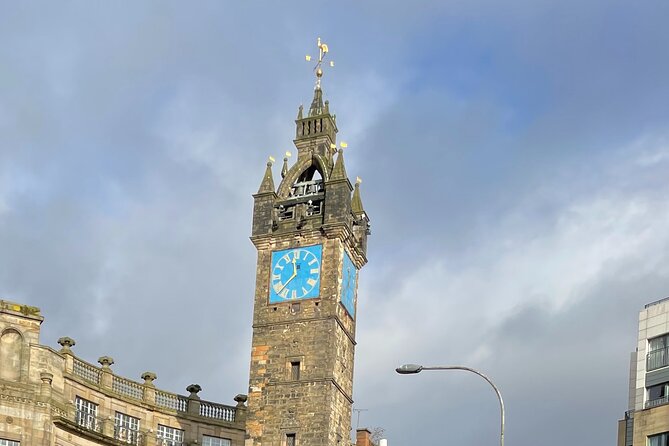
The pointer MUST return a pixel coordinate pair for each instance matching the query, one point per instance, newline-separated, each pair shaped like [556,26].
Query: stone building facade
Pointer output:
[54,398]
[646,422]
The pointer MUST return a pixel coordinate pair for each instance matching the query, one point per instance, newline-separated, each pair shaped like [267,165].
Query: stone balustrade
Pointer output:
[103,378]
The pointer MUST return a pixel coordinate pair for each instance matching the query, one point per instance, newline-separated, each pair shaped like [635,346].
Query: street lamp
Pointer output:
[410,369]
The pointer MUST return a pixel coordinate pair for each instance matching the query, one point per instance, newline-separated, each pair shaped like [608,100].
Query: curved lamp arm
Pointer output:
[408,369]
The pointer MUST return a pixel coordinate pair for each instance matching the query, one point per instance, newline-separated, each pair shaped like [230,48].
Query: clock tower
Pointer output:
[311,236]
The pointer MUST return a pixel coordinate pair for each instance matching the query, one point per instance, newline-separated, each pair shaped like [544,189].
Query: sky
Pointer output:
[514,158]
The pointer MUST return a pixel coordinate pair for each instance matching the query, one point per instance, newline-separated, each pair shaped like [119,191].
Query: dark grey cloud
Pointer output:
[514,159]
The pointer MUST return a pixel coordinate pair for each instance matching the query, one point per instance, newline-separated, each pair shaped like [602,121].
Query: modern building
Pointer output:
[646,421]
[310,233]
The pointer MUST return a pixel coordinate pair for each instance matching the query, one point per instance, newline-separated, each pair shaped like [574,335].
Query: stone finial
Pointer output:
[267,184]
[300,112]
[148,378]
[194,389]
[106,361]
[46,377]
[339,171]
[356,201]
[241,399]
[67,344]
[284,169]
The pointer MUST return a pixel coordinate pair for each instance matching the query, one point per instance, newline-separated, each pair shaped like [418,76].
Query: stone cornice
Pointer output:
[336,318]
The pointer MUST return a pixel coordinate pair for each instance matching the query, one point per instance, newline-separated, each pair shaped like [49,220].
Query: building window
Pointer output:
[659,440]
[658,352]
[170,436]
[4,442]
[657,395]
[295,370]
[126,428]
[215,441]
[291,440]
[86,414]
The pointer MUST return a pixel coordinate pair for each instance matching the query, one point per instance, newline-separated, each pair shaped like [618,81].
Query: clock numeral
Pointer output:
[293,295]
[277,287]
[285,258]
[276,277]
[296,255]
[314,260]
[311,282]
[283,293]
[314,271]
[304,291]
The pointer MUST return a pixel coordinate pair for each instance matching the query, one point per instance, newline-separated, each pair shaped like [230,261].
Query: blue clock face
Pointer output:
[296,274]
[349,275]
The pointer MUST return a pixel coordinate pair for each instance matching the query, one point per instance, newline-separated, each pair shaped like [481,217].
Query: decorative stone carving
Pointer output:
[67,343]
[106,361]
[194,389]
[241,399]
[46,377]
[148,378]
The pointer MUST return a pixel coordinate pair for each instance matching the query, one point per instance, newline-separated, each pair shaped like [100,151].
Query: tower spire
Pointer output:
[267,184]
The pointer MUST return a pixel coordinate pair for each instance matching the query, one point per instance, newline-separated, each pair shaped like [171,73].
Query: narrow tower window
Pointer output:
[295,370]
[291,440]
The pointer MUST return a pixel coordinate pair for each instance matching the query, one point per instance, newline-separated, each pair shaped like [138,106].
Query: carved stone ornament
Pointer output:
[194,389]
[148,378]
[106,361]
[67,343]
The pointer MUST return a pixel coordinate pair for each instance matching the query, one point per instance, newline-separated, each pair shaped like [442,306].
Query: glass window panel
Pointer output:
[658,343]
[169,436]
[215,441]
[86,414]
[659,440]
[126,428]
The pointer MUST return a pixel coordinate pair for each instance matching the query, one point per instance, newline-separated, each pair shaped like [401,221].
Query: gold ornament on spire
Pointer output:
[318,69]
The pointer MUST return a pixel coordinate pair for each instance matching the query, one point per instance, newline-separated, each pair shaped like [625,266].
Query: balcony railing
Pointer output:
[217,411]
[127,387]
[86,371]
[160,398]
[657,402]
[657,359]
[171,401]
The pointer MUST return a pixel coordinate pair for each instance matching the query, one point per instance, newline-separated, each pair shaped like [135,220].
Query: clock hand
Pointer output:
[289,279]
[292,276]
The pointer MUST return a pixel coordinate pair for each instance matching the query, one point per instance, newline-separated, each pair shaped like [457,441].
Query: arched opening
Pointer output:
[310,182]
[11,348]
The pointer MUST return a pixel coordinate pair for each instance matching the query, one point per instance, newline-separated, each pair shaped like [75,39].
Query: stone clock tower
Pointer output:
[311,236]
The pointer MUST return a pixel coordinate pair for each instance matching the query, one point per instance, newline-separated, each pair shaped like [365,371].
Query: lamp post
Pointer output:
[410,369]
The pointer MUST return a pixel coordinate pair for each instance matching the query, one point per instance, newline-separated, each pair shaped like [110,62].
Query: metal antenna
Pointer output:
[357,423]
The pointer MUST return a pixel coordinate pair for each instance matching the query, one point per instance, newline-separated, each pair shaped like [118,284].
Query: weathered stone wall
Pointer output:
[37,404]
[319,333]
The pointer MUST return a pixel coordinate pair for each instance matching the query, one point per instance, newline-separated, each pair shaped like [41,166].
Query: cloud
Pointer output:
[514,158]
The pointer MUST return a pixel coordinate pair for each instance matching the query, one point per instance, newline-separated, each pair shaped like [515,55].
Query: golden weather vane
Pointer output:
[322,51]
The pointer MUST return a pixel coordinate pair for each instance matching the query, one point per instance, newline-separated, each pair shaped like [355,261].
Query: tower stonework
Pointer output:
[311,236]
